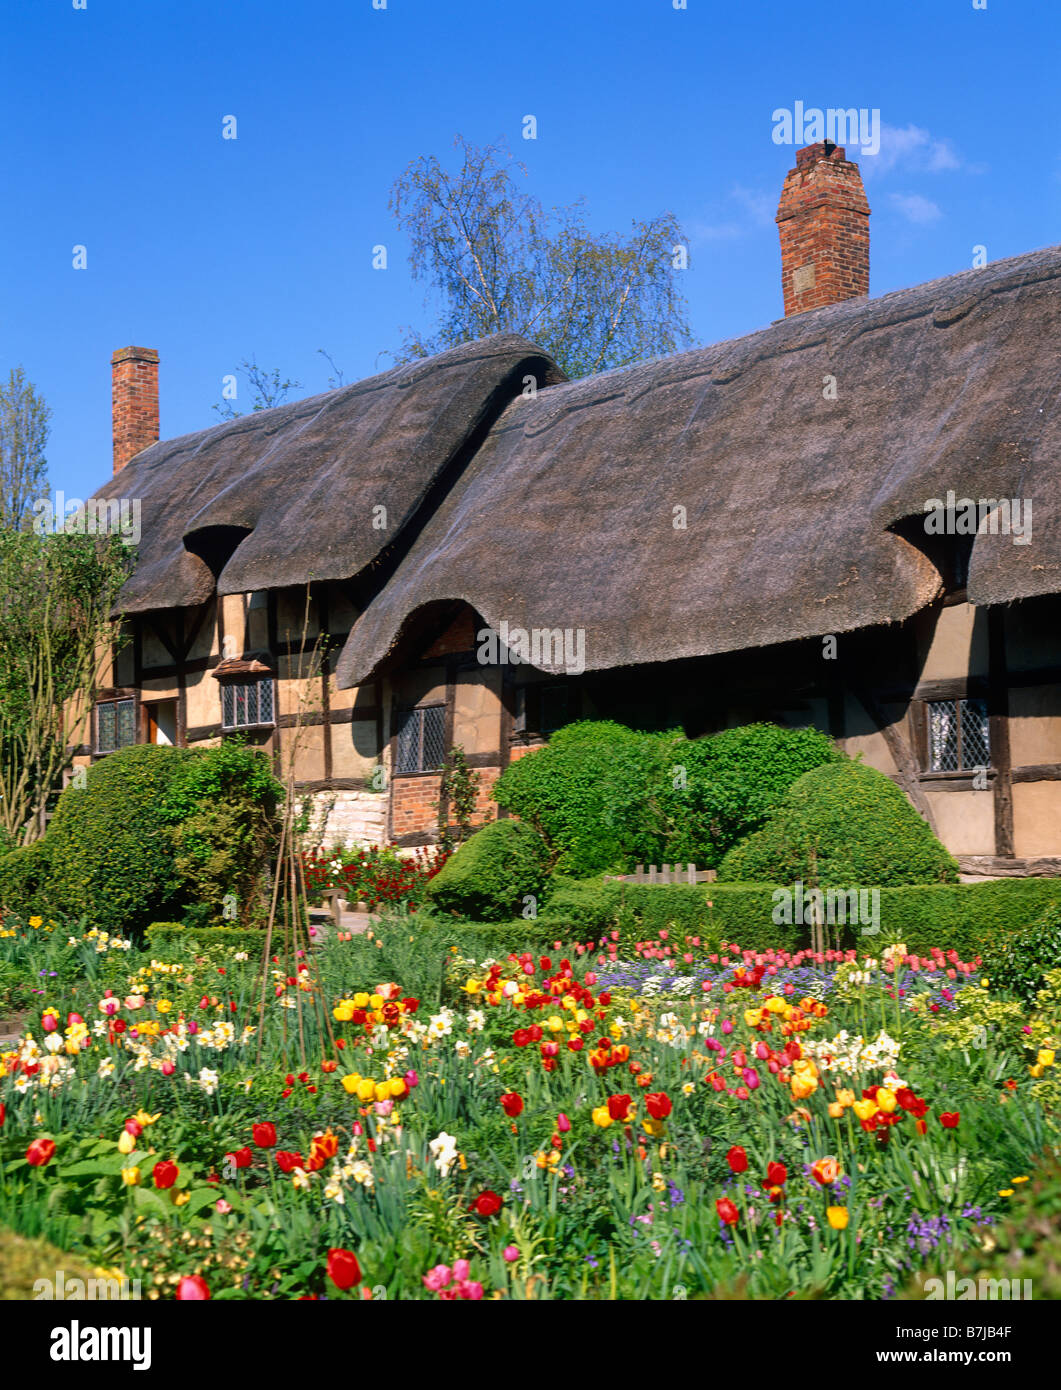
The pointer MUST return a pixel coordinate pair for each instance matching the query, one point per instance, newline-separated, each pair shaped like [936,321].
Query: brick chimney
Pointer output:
[134,402]
[823,219]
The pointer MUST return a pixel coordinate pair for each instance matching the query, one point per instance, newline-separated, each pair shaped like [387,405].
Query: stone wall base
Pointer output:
[348,818]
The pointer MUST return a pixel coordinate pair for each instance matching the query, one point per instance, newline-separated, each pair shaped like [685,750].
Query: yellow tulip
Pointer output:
[126,1144]
[366,1089]
[838,1218]
[397,1087]
[1046,1057]
[601,1117]
[376,1001]
[1037,1069]
[836,1110]
[343,1013]
[350,1083]
[555,1023]
[752,1017]
[382,1091]
[361,1001]
[131,1177]
[845,1097]
[803,1086]
[179,1198]
[864,1109]
[886,1100]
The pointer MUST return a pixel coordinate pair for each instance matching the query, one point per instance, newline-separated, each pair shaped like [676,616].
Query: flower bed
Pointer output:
[398,1120]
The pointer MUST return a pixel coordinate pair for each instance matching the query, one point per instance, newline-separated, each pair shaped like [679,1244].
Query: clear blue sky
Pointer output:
[213,250]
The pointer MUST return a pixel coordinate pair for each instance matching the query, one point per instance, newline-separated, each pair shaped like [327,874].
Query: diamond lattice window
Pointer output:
[958,735]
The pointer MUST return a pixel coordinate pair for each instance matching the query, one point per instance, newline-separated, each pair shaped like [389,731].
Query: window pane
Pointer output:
[228,706]
[126,717]
[265,701]
[976,739]
[943,735]
[408,753]
[105,728]
[434,745]
[241,705]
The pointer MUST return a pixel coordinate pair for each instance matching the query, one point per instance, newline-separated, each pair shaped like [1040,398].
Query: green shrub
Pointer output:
[958,917]
[840,825]
[223,818]
[733,781]
[156,827]
[162,935]
[488,877]
[1018,961]
[110,855]
[23,879]
[595,794]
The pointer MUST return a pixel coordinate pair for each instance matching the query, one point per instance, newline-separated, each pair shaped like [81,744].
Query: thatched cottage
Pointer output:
[850,518]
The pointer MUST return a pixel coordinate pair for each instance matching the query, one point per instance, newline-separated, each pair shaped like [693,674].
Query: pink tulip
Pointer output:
[591,977]
[472,1289]
[563,1124]
[48,1023]
[727,1026]
[168,1068]
[510,1254]
[461,1270]
[437,1278]
[411,1079]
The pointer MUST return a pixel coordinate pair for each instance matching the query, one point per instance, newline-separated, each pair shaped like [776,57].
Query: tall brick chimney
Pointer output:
[823,219]
[134,402]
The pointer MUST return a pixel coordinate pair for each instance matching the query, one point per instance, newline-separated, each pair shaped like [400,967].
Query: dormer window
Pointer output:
[248,698]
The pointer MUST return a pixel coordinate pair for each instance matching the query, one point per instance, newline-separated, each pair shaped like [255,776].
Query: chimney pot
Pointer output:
[823,221]
[134,402]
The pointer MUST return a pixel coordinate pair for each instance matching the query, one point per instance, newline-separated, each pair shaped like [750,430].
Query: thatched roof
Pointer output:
[564,518]
[285,496]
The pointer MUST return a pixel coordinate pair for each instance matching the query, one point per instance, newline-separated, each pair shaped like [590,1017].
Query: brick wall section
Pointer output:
[415,805]
[134,402]
[458,637]
[823,221]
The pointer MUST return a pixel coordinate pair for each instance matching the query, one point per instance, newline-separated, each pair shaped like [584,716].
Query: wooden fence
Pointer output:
[666,873]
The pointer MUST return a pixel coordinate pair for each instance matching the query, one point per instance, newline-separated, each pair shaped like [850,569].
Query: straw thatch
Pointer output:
[565,517]
[287,495]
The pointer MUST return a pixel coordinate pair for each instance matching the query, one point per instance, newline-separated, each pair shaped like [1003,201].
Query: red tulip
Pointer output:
[287,1161]
[165,1173]
[264,1135]
[737,1159]
[618,1107]
[3,1114]
[343,1269]
[40,1152]
[242,1158]
[658,1105]
[193,1286]
[512,1104]
[949,1120]
[487,1203]
[776,1174]
[563,1124]
[727,1211]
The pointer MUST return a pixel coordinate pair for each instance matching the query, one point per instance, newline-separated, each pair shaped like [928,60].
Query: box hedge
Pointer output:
[161,935]
[491,874]
[842,824]
[963,917]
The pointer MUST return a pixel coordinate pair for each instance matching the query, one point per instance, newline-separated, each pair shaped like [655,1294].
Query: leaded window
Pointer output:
[247,704]
[115,725]
[958,735]
[421,739]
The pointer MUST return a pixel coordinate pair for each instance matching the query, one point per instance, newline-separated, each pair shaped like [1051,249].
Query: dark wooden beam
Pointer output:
[1037,772]
[902,754]
[998,728]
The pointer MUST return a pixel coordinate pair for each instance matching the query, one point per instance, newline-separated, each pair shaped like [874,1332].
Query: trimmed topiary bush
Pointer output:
[23,879]
[156,828]
[490,874]
[840,825]
[595,794]
[733,781]
[110,856]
